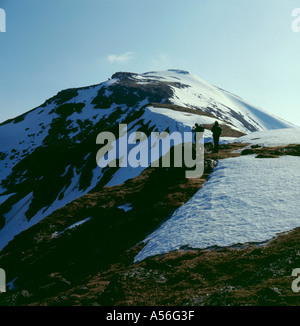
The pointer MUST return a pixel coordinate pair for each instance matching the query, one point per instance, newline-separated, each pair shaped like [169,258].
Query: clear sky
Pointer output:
[247,47]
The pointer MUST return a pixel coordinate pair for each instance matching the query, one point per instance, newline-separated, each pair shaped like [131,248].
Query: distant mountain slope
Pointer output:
[48,155]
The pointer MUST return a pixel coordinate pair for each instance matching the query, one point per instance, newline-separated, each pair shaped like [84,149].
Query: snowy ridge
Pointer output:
[198,94]
[47,155]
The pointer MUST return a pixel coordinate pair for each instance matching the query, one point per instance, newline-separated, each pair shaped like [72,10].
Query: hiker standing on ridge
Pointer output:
[216,130]
[196,129]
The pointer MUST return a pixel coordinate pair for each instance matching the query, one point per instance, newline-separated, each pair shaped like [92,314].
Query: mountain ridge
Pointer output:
[48,154]
[54,264]
[71,232]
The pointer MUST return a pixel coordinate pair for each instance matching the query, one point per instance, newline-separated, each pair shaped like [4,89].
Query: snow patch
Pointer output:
[75,225]
[126,207]
[16,220]
[246,200]
[11,284]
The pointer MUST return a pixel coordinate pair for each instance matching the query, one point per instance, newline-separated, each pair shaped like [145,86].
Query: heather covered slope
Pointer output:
[83,253]
[105,232]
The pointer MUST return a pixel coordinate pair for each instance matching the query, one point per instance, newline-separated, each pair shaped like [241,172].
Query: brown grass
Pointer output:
[249,274]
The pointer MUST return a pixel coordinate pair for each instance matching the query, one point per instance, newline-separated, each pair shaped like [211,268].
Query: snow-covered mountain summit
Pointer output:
[190,91]
[48,155]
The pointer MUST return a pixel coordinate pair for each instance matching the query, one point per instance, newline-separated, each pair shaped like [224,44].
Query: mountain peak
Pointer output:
[48,154]
[179,71]
[123,75]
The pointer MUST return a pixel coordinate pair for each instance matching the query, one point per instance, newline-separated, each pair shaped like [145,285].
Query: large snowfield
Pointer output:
[246,199]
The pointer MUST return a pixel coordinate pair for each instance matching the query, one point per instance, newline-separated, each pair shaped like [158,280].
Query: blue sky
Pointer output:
[246,47]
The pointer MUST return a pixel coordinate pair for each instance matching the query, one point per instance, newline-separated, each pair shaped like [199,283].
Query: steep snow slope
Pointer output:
[198,94]
[48,155]
[246,200]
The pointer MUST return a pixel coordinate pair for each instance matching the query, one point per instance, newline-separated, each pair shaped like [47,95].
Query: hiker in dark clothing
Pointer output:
[216,130]
[196,129]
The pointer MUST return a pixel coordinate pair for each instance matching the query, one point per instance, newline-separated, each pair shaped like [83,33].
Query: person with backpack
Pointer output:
[217,131]
[196,129]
